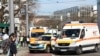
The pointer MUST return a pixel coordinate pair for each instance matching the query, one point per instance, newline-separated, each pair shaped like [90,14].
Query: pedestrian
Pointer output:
[24,40]
[21,40]
[1,50]
[5,36]
[28,40]
[5,43]
[13,49]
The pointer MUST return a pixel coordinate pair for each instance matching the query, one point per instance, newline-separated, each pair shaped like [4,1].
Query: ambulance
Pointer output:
[78,37]
[34,33]
[43,43]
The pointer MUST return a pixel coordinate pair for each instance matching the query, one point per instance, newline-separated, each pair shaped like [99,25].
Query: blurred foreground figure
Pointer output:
[13,49]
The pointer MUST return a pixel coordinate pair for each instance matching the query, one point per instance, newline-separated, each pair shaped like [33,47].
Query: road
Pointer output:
[23,51]
[87,53]
[39,54]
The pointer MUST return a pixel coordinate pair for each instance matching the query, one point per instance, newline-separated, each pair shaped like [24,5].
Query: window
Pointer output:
[36,34]
[46,38]
[71,32]
[82,33]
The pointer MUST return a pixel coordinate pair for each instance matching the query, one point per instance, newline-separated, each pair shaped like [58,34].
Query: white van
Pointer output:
[78,37]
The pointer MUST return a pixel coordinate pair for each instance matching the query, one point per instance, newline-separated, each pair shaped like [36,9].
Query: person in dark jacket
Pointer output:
[13,49]
[24,40]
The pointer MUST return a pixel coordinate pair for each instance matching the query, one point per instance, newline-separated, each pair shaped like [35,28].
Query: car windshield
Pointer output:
[46,38]
[71,32]
[36,34]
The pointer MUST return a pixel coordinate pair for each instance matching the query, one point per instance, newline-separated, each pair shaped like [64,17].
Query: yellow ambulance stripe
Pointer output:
[92,38]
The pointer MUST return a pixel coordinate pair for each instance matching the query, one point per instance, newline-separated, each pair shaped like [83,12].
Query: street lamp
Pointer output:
[79,15]
[61,19]
[26,13]
[68,15]
[27,19]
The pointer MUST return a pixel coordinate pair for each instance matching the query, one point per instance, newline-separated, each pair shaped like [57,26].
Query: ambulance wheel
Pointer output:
[96,49]
[79,51]
[48,49]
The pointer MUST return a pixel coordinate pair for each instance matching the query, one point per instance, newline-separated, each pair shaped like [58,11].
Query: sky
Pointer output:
[47,7]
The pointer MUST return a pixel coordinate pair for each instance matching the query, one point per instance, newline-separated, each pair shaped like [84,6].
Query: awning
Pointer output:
[4,25]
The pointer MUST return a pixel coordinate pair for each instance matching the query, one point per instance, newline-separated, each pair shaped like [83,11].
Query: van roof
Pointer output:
[37,30]
[82,24]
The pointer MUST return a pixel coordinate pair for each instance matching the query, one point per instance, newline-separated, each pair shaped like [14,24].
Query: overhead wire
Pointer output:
[58,2]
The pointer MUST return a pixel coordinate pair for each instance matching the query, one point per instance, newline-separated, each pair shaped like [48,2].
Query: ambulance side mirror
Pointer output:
[82,34]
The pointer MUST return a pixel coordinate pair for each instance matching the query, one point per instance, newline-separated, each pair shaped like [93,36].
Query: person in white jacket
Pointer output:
[5,36]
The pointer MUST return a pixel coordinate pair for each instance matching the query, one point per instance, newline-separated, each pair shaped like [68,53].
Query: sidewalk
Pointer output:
[22,51]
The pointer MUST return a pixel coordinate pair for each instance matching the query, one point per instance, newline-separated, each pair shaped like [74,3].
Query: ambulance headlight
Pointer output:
[73,43]
[41,45]
[56,44]
[29,45]
[53,42]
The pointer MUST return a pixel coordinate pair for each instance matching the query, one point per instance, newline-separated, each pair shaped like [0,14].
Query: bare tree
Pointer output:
[2,10]
[32,5]
[48,23]
[20,4]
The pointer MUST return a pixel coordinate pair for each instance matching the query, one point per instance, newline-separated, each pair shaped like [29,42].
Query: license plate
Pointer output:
[63,50]
[34,47]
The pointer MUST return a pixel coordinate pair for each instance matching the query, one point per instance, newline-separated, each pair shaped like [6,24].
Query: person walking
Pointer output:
[24,40]
[5,43]
[5,36]
[28,40]
[12,47]
[21,40]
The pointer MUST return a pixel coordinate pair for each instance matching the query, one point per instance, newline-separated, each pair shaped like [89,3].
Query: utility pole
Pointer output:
[61,19]
[27,32]
[11,16]
[69,19]
[98,14]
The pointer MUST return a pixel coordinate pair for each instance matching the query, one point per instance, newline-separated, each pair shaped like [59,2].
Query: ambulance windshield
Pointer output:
[71,32]
[36,34]
[46,38]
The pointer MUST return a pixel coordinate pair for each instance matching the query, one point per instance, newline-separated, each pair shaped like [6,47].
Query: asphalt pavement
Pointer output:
[86,53]
[23,51]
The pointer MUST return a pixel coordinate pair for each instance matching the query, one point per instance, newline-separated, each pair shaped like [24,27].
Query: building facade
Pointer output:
[78,13]
[67,14]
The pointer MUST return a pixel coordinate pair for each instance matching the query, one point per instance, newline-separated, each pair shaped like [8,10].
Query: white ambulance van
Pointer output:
[78,37]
